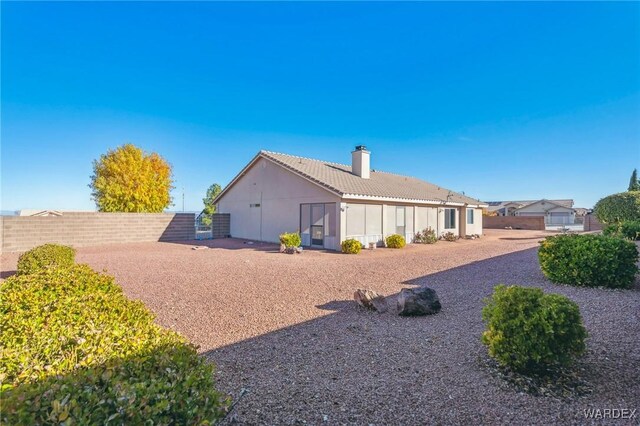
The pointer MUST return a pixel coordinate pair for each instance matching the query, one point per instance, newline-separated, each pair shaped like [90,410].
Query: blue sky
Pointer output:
[499,100]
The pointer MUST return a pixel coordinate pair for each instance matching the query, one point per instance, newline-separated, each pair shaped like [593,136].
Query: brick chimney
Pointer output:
[361,162]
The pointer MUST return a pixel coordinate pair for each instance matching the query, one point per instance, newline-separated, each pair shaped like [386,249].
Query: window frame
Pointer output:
[450,213]
[471,217]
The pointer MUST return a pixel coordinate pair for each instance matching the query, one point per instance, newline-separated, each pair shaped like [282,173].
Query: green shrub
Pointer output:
[589,260]
[351,246]
[45,256]
[528,330]
[426,236]
[75,349]
[395,241]
[629,229]
[290,239]
[618,207]
[449,236]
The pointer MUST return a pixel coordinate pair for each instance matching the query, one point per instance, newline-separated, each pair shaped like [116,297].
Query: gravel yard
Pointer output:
[285,328]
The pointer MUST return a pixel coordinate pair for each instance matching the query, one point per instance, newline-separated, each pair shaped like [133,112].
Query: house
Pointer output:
[328,202]
[555,212]
[39,213]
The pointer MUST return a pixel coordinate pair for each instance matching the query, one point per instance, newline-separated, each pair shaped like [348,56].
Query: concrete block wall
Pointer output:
[516,222]
[21,233]
[220,225]
[591,223]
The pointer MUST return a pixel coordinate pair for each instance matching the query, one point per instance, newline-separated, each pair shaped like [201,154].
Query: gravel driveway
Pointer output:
[284,328]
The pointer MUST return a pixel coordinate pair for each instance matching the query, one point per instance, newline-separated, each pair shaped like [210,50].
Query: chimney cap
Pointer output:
[361,148]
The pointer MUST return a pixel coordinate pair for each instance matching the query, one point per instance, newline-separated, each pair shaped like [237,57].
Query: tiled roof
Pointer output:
[338,178]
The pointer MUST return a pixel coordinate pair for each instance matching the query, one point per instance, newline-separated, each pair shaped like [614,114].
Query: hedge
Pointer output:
[618,207]
[530,331]
[45,256]
[77,350]
[629,229]
[589,260]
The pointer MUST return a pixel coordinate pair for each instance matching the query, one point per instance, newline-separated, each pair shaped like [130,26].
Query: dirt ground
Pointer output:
[285,328]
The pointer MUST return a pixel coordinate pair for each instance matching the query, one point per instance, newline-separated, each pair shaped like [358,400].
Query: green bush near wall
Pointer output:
[76,350]
[530,331]
[290,239]
[351,246]
[44,257]
[589,260]
[395,241]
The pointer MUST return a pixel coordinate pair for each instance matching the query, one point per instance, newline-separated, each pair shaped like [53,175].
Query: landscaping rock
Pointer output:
[418,301]
[371,300]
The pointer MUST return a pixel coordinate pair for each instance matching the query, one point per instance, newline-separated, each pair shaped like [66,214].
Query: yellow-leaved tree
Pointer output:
[127,179]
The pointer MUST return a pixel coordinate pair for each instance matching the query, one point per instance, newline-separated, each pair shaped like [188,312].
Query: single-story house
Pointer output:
[329,202]
[555,212]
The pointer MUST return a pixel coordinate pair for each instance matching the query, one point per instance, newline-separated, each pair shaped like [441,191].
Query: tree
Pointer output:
[209,207]
[127,179]
[634,183]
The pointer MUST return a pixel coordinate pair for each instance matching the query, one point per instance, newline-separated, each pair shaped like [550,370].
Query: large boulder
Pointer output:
[371,300]
[418,301]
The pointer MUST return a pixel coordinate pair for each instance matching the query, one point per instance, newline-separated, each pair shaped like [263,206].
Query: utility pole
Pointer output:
[183,199]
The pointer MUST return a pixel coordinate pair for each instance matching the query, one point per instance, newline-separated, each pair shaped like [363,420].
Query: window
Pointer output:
[449,218]
[400,220]
[469,216]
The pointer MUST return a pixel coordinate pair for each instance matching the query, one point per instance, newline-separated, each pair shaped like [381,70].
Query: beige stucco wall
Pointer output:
[475,227]
[279,193]
[417,218]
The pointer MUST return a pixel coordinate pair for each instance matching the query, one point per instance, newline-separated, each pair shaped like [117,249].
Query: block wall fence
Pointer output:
[21,233]
[535,223]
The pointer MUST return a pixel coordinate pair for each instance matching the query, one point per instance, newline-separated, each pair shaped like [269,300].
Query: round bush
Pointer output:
[395,241]
[290,239]
[530,331]
[629,229]
[45,257]
[589,260]
[351,246]
[618,207]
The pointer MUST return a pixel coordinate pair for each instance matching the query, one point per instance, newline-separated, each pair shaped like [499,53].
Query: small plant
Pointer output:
[530,331]
[426,236]
[589,260]
[449,236]
[45,257]
[351,246]
[629,229]
[290,239]
[395,241]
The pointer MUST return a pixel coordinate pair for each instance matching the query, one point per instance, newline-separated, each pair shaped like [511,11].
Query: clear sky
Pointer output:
[499,100]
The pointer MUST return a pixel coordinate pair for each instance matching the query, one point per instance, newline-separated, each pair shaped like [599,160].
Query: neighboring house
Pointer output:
[328,202]
[555,212]
[39,213]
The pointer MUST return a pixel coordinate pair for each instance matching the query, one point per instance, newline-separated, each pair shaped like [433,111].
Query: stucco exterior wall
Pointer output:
[441,221]
[475,227]
[426,217]
[265,202]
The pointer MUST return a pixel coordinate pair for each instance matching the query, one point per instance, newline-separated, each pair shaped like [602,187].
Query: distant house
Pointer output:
[555,212]
[329,202]
[39,213]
